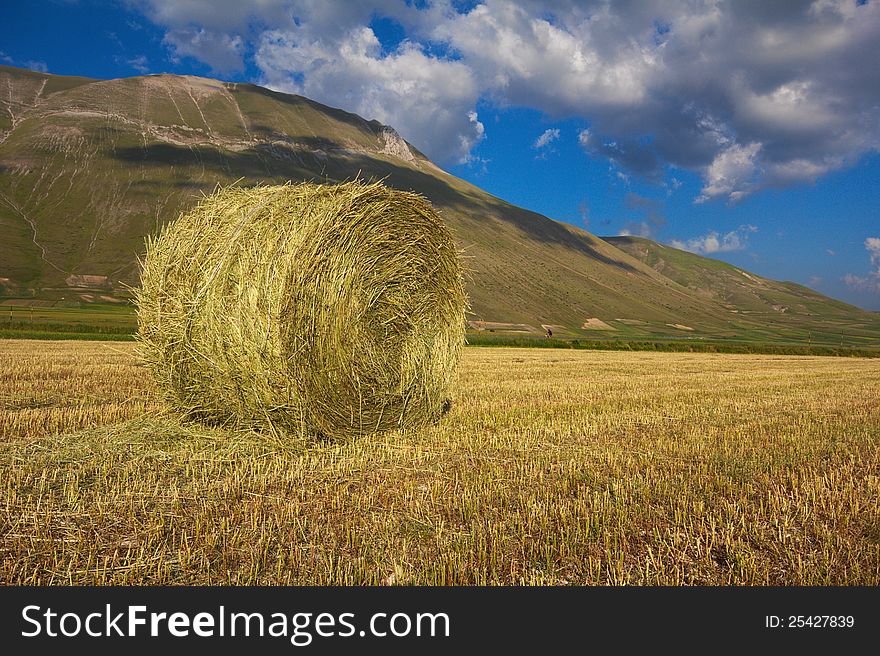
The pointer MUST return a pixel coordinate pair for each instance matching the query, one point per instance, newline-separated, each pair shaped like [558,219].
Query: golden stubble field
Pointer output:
[553,467]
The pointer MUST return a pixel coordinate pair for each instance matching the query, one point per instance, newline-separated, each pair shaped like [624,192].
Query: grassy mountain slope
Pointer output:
[89,167]
[779,306]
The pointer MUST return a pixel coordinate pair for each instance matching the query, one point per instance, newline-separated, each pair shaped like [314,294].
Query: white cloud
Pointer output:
[870,282]
[217,15]
[547,137]
[557,65]
[714,242]
[140,64]
[219,33]
[585,138]
[872,244]
[223,52]
[732,173]
[467,140]
[748,94]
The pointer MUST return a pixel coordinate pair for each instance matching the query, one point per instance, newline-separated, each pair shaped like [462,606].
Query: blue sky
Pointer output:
[748,133]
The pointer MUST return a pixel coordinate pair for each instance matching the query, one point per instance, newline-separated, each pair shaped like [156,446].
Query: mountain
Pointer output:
[89,167]
[779,307]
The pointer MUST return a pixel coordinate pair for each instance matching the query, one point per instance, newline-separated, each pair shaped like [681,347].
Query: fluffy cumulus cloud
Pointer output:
[732,173]
[222,51]
[715,242]
[749,94]
[219,33]
[870,282]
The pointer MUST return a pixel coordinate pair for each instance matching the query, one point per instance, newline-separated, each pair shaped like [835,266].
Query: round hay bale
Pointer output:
[334,310]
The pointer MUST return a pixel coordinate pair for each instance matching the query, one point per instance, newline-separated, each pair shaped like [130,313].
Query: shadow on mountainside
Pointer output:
[276,163]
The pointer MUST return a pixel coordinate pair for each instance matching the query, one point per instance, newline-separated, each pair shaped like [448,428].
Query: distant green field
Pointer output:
[672,345]
[60,320]
[54,320]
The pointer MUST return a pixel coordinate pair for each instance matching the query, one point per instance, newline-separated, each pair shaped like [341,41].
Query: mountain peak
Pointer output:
[395,145]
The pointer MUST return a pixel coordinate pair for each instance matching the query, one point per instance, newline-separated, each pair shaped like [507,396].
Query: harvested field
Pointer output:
[596,324]
[552,467]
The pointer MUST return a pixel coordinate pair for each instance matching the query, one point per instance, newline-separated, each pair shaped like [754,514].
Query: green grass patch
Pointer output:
[22,320]
[671,346]
[6,333]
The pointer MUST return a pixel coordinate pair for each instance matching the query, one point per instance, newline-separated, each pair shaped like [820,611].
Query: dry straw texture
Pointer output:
[334,310]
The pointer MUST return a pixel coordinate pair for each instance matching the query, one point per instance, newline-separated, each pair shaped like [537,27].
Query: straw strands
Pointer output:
[334,310]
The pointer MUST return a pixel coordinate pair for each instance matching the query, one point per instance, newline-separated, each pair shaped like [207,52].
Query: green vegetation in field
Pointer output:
[670,346]
[29,319]
[553,467]
[32,320]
